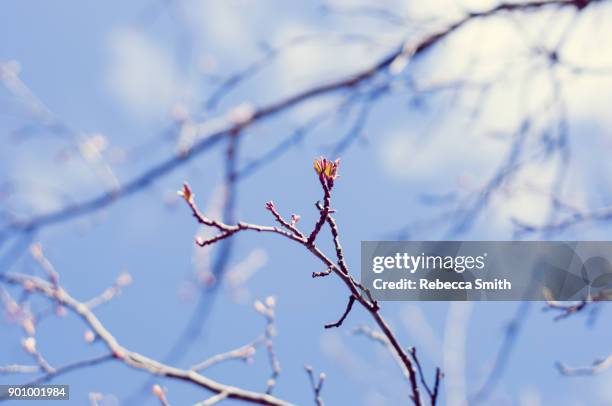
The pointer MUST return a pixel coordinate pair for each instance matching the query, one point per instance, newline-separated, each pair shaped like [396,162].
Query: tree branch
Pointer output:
[349,306]
[205,142]
[316,385]
[327,172]
[130,358]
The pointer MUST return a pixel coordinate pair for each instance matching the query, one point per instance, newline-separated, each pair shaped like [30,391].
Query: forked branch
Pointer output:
[327,172]
[131,358]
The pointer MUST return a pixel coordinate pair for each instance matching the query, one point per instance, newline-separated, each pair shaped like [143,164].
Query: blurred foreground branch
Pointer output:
[244,117]
[122,354]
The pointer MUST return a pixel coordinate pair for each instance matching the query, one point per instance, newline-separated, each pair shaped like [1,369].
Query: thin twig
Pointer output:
[19,369]
[349,306]
[241,353]
[316,385]
[71,367]
[597,367]
[321,274]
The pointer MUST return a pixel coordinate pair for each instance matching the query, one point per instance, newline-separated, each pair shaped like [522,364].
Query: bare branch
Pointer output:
[29,345]
[207,141]
[288,225]
[122,280]
[130,358]
[267,309]
[349,306]
[321,274]
[241,353]
[433,393]
[327,172]
[566,309]
[316,385]
[38,255]
[19,369]
[213,400]
[603,214]
[597,367]
[71,367]
[507,345]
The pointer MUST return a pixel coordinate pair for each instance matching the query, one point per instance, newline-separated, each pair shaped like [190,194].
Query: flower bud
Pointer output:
[327,169]
[89,336]
[124,279]
[186,193]
[270,301]
[159,392]
[259,307]
[60,311]
[294,219]
[29,345]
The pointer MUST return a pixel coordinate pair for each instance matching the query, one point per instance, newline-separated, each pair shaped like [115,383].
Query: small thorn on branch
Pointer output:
[322,273]
[349,306]
[321,208]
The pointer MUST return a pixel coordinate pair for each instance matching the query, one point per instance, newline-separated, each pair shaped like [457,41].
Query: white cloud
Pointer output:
[528,198]
[45,185]
[420,156]
[142,75]
[320,59]
[224,29]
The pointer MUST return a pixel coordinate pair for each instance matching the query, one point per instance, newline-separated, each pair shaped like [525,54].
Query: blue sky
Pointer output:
[117,74]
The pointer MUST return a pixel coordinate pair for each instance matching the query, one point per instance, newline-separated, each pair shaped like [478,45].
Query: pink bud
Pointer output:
[36,250]
[179,113]
[159,392]
[259,307]
[89,336]
[61,311]
[186,193]
[29,345]
[124,279]
[28,285]
[294,219]
[271,301]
